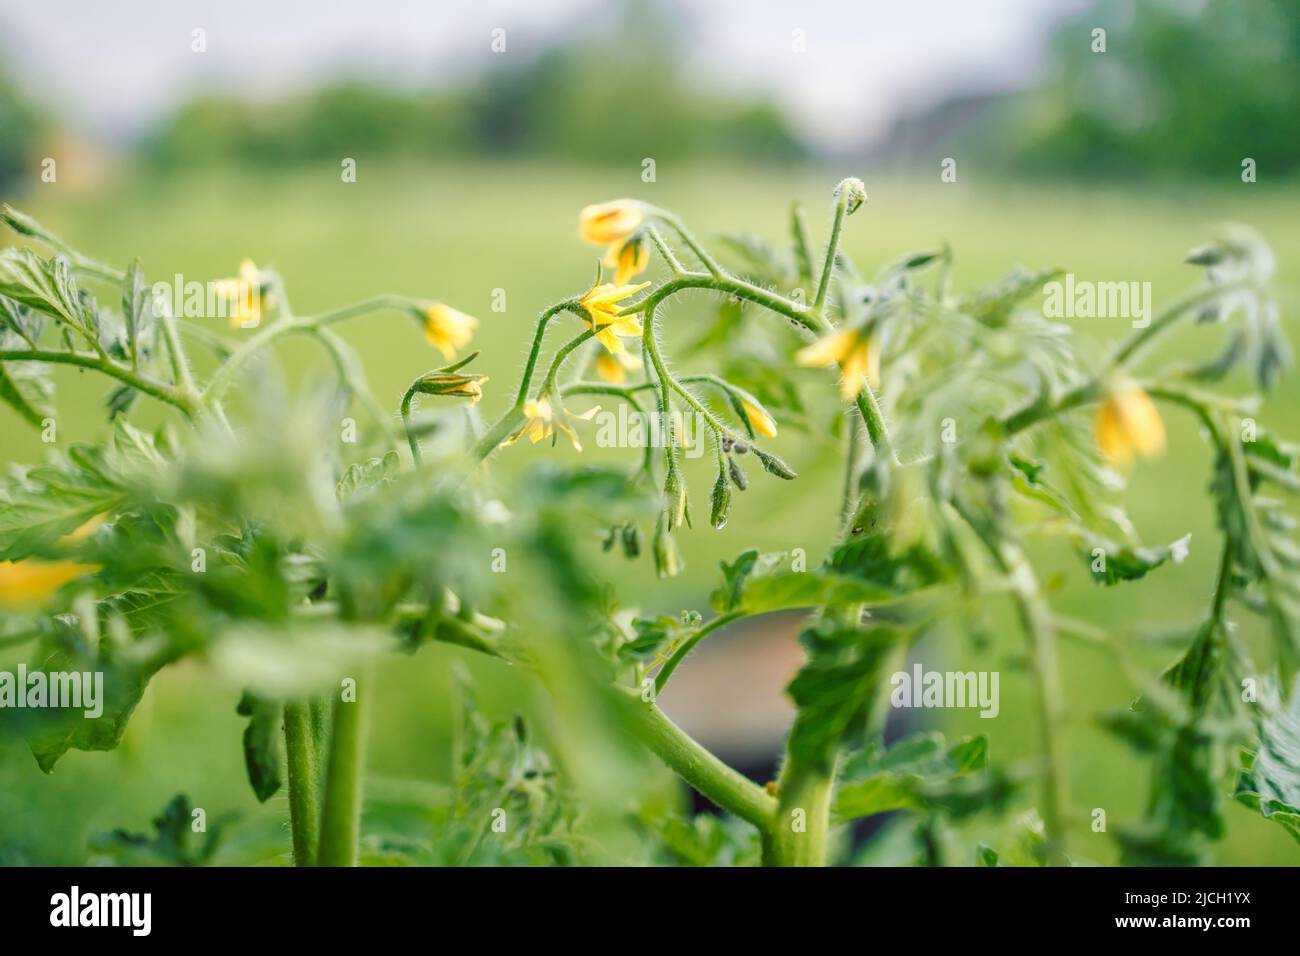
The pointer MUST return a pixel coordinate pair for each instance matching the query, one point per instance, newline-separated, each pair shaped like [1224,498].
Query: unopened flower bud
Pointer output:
[459,384]
[720,502]
[775,466]
[855,192]
[737,474]
[668,560]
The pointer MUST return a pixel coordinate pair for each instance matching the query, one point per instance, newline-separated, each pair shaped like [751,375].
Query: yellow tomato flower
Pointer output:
[243,295]
[542,421]
[610,222]
[759,419]
[627,259]
[602,305]
[27,584]
[854,350]
[1129,424]
[447,329]
[614,366]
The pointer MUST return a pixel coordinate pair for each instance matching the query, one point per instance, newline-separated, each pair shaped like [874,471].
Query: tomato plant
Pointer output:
[245,533]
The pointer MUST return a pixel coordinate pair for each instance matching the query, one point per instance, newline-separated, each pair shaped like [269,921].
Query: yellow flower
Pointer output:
[244,295]
[614,366]
[854,350]
[610,222]
[448,330]
[1129,424]
[759,419]
[542,421]
[627,259]
[602,305]
[26,584]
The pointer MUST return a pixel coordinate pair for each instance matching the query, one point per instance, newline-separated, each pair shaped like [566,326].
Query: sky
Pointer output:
[112,69]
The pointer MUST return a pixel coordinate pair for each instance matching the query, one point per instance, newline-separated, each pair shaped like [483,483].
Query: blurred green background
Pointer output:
[457,223]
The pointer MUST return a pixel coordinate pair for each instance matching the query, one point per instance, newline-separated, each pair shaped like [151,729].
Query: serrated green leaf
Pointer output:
[45,285]
[1269,781]
[27,388]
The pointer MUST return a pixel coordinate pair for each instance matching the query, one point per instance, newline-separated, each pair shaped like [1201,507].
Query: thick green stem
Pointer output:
[730,790]
[341,818]
[303,809]
[802,821]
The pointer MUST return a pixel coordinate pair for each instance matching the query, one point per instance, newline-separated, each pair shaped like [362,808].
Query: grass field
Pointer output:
[457,233]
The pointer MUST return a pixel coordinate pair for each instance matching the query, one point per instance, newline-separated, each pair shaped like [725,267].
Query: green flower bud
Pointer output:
[668,560]
[856,193]
[631,541]
[775,466]
[459,384]
[721,502]
[737,474]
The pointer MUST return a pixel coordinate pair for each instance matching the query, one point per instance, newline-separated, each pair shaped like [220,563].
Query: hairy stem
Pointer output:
[341,817]
[149,386]
[303,809]
[730,790]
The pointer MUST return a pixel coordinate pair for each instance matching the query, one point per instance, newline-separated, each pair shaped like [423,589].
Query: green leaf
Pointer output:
[1123,562]
[44,503]
[136,307]
[126,668]
[993,306]
[911,774]
[757,583]
[837,687]
[263,743]
[172,843]
[368,474]
[27,388]
[42,284]
[1269,781]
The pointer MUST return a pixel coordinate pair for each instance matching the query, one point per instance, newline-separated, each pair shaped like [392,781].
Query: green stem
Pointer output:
[534,351]
[224,376]
[679,655]
[561,355]
[341,817]
[832,248]
[665,252]
[700,252]
[1037,622]
[1123,356]
[411,440]
[802,819]
[303,809]
[730,790]
[149,386]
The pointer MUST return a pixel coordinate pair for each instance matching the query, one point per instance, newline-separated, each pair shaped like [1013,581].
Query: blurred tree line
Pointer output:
[20,128]
[601,96]
[1184,87]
